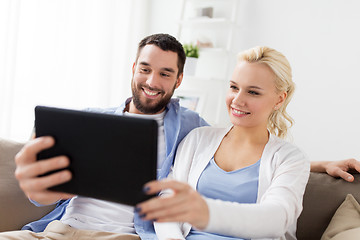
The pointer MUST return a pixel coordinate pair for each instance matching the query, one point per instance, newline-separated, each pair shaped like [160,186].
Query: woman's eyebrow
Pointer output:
[256,87]
[253,87]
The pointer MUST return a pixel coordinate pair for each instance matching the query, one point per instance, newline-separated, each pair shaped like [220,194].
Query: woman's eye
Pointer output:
[253,93]
[233,87]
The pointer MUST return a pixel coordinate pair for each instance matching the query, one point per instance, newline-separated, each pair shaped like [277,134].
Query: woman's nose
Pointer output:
[239,99]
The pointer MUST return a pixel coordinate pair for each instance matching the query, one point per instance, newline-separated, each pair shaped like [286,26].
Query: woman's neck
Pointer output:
[253,136]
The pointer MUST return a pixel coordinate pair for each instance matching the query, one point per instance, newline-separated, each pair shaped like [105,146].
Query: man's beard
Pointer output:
[147,107]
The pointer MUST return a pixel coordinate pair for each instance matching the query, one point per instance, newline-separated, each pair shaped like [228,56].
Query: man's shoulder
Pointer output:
[191,119]
[188,118]
[187,112]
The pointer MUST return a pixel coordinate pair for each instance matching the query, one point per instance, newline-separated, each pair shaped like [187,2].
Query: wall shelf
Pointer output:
[205,21]
[214,28]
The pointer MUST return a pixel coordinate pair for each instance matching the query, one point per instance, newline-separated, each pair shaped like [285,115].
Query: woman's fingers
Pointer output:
[163,207]
[154,187]
[175,195]
[181,204]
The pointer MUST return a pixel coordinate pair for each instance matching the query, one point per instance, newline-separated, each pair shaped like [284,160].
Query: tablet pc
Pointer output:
[111,156]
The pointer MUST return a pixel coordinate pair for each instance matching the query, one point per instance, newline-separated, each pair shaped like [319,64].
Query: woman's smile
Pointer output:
[239,113]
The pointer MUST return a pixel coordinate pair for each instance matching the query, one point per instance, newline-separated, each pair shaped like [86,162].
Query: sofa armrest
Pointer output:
[323,195]
[15,209]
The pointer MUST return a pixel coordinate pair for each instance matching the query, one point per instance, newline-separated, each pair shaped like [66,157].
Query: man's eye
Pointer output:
[144,70]
[165,75]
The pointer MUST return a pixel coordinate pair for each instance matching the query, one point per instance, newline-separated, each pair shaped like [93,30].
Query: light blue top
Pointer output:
[178,122]
[236,186]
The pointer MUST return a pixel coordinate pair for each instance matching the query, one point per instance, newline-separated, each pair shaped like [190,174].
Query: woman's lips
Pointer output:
[239,113]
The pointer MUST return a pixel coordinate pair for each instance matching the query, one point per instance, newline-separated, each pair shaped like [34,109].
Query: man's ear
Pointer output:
[133,68]
[179,80]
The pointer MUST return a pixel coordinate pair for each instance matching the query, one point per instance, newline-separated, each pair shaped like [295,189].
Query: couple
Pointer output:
[256,178]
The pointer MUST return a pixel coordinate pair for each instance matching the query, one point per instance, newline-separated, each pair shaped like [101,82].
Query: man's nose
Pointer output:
[152,80]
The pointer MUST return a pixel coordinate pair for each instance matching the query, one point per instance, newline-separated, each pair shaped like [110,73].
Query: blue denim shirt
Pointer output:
[178,122]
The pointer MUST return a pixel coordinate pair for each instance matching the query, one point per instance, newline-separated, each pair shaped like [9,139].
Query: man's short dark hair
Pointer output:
[167,43]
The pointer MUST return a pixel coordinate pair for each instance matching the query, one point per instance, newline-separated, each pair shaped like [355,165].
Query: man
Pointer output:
[157,72]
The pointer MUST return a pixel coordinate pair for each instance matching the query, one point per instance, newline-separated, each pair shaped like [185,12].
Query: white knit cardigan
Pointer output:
[284,172]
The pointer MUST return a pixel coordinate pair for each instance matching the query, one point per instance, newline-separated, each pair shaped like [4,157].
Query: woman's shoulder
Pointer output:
[279,143]
[205,136]
[207,132]
[285,149]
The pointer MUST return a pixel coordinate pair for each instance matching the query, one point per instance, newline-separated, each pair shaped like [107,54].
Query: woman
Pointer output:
[249,181]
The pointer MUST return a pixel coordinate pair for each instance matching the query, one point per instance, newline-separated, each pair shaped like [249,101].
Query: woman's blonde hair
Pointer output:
[279,120]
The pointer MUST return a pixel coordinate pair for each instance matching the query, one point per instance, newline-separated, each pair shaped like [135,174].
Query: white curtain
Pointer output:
[64,53]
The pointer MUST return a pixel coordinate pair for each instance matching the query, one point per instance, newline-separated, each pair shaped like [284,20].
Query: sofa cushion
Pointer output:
[351,234]
[345,224]
[323,195]
[15,208]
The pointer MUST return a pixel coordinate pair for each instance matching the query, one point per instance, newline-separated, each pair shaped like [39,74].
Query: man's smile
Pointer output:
[150,93]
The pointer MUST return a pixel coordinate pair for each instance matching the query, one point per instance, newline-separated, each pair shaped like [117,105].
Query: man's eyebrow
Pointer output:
[144,63]
[169,70]
[163,69]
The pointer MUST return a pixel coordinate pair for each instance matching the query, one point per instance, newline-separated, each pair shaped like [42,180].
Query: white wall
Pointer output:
[320,39]
[69,53]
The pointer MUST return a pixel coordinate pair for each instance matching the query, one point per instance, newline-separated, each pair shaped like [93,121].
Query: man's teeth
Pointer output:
[239,112]
[150,93]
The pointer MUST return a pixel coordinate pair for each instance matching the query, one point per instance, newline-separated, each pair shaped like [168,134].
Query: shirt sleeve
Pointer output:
[168,230]
[42,205]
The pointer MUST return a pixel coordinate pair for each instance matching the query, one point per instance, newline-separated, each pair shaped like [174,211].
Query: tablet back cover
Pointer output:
[111,156]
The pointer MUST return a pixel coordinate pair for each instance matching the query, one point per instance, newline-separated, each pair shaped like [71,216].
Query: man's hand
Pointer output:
[28,170]
[341,168]
[183,205]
